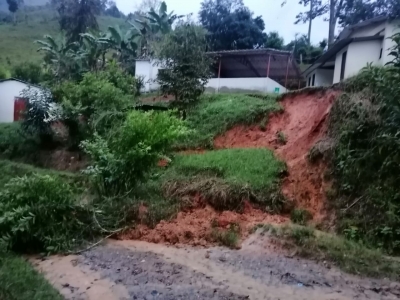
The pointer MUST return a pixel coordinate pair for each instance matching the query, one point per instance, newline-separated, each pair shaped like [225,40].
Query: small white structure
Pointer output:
[356,46]
[253,70]
[11,103]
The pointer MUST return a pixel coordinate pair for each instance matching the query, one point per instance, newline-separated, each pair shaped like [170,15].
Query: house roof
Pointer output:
[256,62]
[19,80]
[347,31]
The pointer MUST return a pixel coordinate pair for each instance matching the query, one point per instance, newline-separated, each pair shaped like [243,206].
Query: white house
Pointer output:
[11,103]
[356,46]
[253,70]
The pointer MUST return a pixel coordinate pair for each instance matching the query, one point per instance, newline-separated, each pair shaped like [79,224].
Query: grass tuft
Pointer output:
[300,216]
[229,238]
[350,256]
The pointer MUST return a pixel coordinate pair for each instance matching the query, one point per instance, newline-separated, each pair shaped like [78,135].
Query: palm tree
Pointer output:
[64,59]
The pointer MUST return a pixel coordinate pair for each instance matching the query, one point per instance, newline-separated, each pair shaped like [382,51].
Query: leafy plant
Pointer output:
[125,157]
[15,143]
[229,238]
[40,213]
[184,64]
[29,72]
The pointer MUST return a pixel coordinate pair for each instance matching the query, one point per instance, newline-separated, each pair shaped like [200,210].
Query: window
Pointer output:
[380,55]
[342,70]
[309,81]
[313,80]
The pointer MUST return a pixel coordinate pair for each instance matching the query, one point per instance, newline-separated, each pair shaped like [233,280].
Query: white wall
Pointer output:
[323,77]
[260,84]
[391,28]
[149,71]
[8,91]
[338,64]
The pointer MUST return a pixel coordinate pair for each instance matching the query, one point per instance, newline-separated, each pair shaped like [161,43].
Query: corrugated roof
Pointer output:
[250,52]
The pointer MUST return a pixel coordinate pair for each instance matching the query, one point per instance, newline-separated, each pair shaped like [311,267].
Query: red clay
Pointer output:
[303,123]
[194,227]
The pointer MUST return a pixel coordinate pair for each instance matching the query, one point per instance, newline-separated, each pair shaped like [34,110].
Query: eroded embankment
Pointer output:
[291,134]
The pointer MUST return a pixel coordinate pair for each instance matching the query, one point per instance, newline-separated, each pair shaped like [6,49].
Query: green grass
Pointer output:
[17,40]
[258,168]
[217,113]
[226,178]
[9,169]
[19,280]
[351,257]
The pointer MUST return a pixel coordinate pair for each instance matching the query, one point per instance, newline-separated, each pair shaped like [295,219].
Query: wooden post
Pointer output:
[269,63]
[219,72]
[287,71]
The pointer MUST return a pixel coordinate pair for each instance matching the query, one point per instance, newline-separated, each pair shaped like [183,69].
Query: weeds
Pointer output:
[350,256]
[281,137]
[229,238]
[300,216]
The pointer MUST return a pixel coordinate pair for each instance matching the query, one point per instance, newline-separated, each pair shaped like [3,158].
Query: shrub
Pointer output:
[29,72]
[125,157]
[3,73]
[229,238]
[365,125]
[40,213]
[184,64]
[14,142]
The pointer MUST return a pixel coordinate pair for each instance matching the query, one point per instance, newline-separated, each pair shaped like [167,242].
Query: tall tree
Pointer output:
[274,41]
[13,6]
[185,66]
[231,25]
[307,16]
[78,16]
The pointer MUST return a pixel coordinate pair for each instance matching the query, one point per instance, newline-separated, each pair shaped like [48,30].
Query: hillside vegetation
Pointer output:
[17,41]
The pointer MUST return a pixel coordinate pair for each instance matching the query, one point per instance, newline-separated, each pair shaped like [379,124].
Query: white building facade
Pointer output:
[365,43]
[10,98]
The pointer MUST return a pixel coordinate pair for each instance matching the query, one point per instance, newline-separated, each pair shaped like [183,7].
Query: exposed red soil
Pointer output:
[303,123]
[194,227]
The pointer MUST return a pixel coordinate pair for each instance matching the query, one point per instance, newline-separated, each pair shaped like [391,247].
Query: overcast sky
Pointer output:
[276,18]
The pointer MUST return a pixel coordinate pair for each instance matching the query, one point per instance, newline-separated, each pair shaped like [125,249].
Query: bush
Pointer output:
[3,73]
[40,213]
[15,143]
[365,126]
[29,72]
[125,157]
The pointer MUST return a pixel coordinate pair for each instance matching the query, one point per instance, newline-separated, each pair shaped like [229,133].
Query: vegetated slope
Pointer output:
[292,134]
[17,41]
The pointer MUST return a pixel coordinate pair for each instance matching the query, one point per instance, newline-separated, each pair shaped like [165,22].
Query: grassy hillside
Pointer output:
[33,23]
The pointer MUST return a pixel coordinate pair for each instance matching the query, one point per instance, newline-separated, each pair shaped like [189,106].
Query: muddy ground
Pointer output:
[140,270]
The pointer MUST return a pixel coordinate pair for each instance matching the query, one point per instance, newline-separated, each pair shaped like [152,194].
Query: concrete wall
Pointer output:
[323,77]
[338,64]
[8,91]
[258,84]
[149,71]
[391,28]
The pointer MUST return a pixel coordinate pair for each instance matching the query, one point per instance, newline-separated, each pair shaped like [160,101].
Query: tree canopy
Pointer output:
[231,25]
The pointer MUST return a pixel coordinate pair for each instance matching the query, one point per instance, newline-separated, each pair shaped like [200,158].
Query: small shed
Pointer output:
[265,70]
[11,103]
[252,70]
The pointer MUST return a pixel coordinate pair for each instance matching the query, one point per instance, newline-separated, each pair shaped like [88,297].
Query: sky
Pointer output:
[276,18]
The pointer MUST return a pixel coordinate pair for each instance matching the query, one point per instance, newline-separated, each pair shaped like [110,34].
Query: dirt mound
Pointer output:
[292,134]
[194,227]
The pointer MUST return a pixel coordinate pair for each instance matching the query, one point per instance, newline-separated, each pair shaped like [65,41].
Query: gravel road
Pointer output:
[140,270]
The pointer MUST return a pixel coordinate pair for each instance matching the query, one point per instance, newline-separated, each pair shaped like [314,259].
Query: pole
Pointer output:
[269,63]
[287,71]
[219,72]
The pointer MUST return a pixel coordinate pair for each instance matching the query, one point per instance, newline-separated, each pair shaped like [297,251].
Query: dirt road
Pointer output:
[140,270]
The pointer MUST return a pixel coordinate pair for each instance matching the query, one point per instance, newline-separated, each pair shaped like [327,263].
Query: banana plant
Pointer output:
[162,21]
[63,58]
[94,49]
